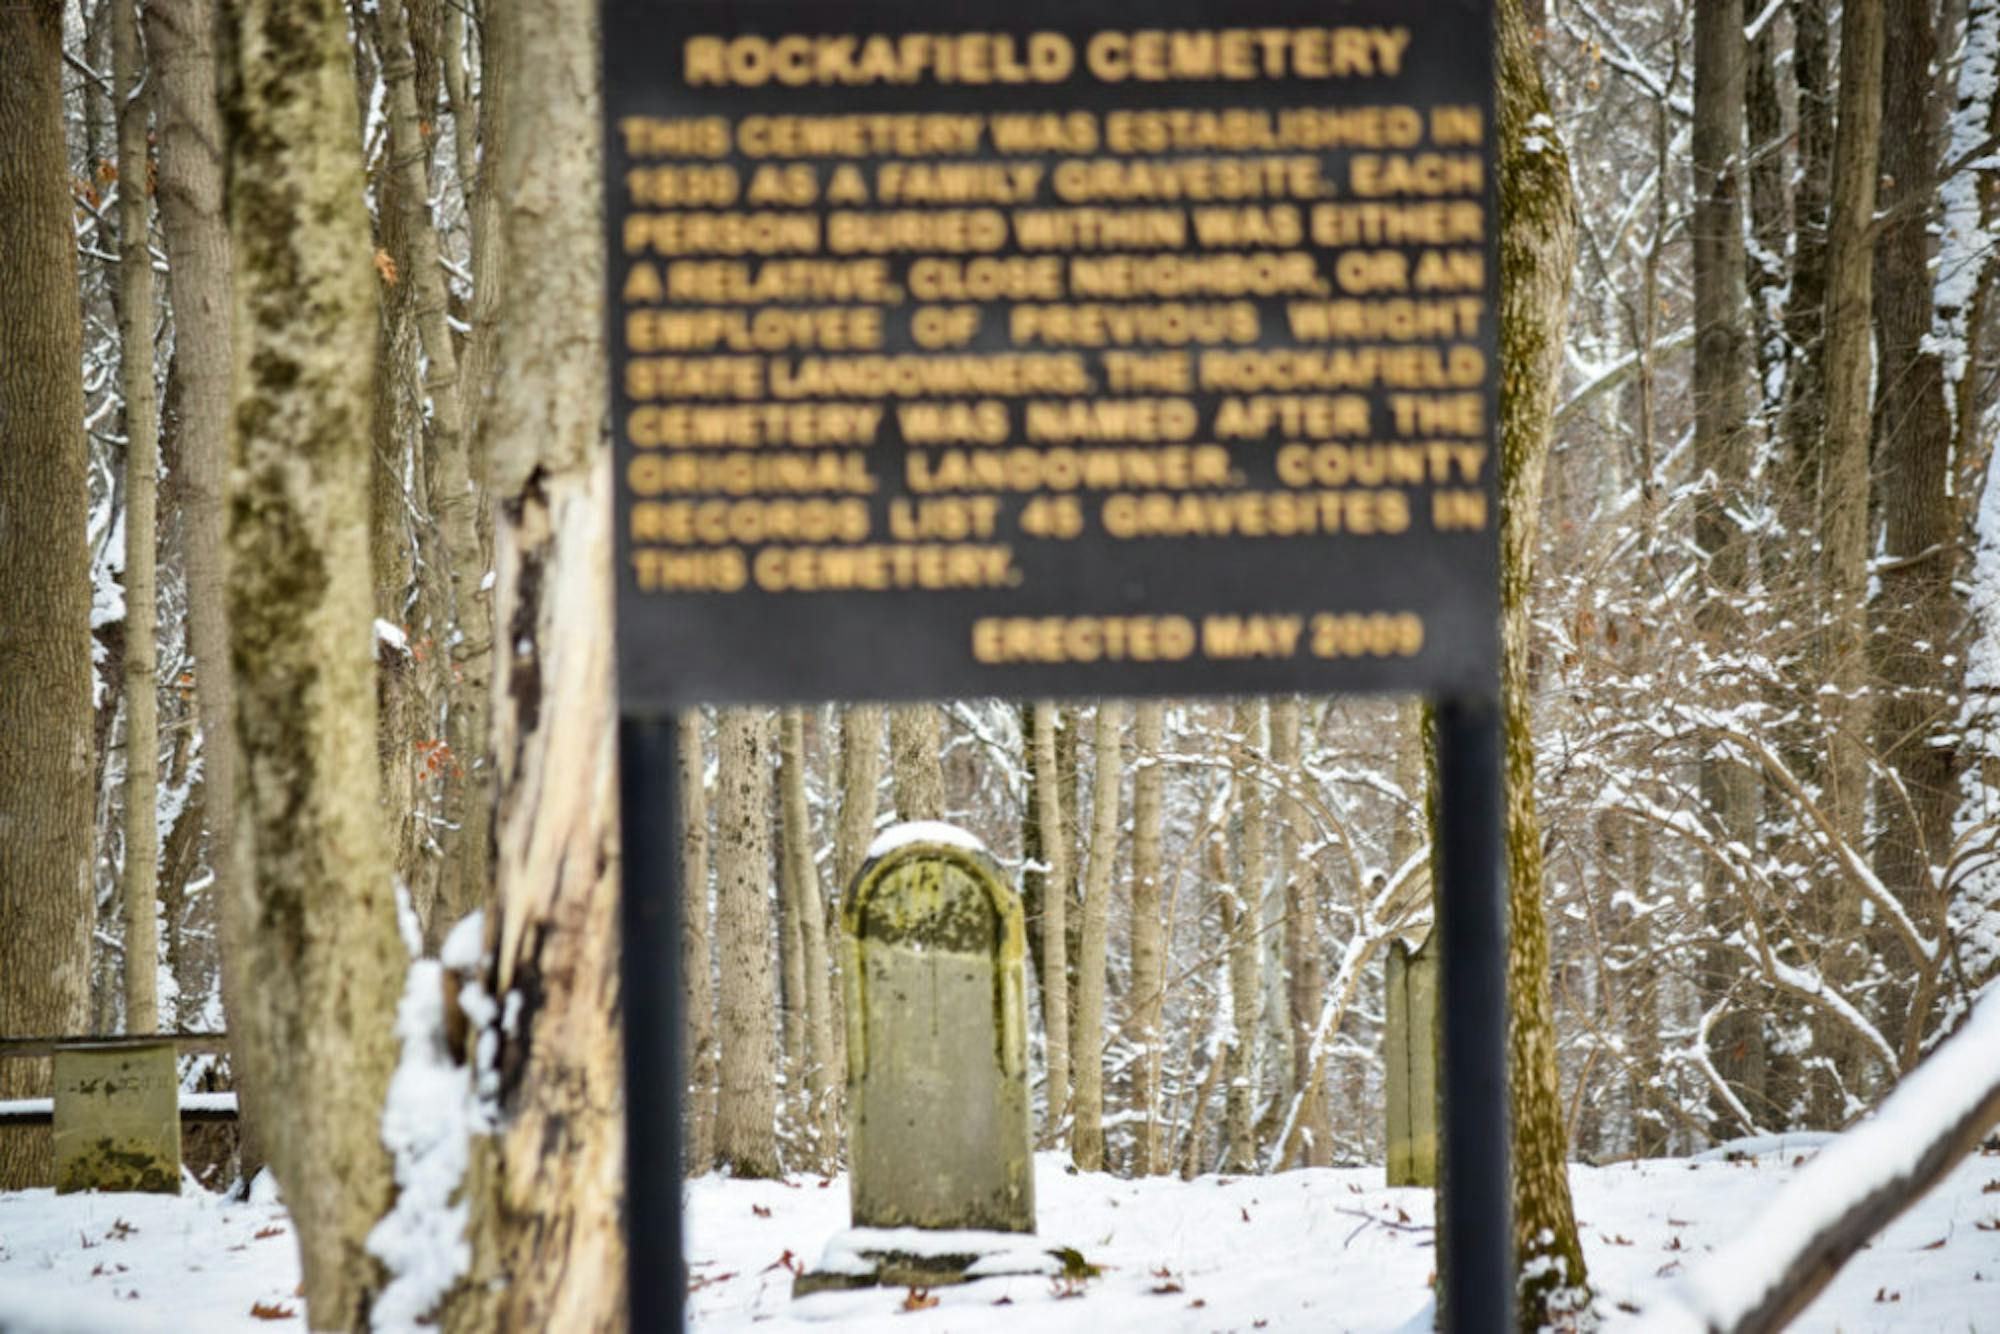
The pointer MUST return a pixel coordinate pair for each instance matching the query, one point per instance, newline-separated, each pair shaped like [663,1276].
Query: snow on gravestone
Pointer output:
[118,1118]
[937,1065]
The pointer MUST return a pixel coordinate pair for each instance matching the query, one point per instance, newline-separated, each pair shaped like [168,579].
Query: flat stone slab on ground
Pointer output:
[913,1257]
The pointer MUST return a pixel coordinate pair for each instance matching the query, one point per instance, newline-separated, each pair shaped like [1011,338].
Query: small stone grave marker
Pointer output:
[941,1169]
[118,1118]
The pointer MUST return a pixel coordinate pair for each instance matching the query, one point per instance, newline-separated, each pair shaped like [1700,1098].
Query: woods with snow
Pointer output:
[308,713]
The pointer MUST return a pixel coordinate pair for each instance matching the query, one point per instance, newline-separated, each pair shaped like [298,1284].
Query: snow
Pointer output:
[1308,1250]
[1930,1099]
[114,1264]
[427,1125]
[923,831]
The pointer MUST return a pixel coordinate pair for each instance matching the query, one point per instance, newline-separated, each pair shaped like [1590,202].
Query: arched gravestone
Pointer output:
[937,1046]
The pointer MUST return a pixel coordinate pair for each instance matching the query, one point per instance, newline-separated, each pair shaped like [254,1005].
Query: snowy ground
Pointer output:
[1305,1250]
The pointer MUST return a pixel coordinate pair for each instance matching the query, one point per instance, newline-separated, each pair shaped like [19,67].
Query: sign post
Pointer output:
[1057,348]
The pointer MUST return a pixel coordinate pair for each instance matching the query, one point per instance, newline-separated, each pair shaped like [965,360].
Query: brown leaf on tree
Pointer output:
[263,1232]
[760,1211]
[272,1311]
[386,267]
[1937,1245]
[787,1262]
[919,1299]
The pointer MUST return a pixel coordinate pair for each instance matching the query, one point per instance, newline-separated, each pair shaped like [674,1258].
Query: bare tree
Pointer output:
[1047,797]
[1537,249]
[142,469]
[543,1192]
[1241,905]
[746,1101]
[314,912]
[45,731]
[1144,994]
[1087,1057]
[697,967]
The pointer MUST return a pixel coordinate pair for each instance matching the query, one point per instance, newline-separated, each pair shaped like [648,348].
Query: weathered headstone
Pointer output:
[1410,1062]
[117,1118]
[937,1046]
[937,1067]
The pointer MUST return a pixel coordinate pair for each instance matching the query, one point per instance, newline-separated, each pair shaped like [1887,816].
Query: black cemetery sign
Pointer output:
[1056,347]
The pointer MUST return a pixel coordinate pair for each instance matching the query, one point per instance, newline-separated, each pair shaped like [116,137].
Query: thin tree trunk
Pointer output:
[1055,972]
[466,873]
[1537,258]
[823,1112]
[860,787]
[45,732]
[1844,496]
[1087,1046]
[1242,918]
[142,467]
[793,1047]
[860,780]
[746,1104]
[1143,996]
[916,761]
[320,950]
[1721,462]
[1800,462]
[549,1252]
[1915,610]
[180,40]
[1764,264]
[697,977]
[1304,979]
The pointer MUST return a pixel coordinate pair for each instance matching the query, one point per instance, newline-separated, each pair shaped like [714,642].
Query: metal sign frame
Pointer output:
[750,643]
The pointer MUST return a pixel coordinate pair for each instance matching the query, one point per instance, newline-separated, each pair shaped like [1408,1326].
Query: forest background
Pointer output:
[1752,590]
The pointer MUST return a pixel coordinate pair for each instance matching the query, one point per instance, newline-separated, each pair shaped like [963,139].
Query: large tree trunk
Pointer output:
[1242,906]
[1721,463]
[546,1192]
[45,731]
[1087,1039]
[1143,995]
[1047,797]
[318,946]
[180,40]
[1915,611]
[746,1104]
[697,967]
[142,469]
[1537,257]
